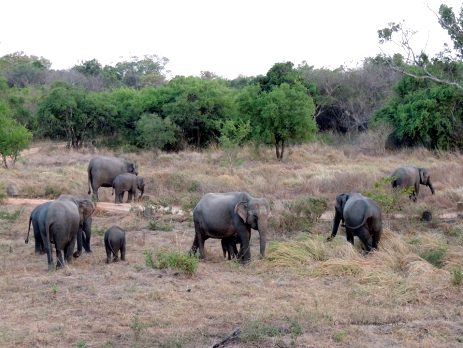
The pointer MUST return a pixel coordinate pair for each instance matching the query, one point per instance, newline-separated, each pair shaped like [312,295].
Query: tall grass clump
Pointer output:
[299,215]
[177,260]
[390,201]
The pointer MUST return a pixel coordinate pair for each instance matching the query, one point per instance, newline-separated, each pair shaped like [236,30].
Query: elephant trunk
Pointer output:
[430,186]
[28,230]
[263,237]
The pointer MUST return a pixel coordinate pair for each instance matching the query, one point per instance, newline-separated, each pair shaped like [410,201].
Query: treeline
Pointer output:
[133,103]
[138,106]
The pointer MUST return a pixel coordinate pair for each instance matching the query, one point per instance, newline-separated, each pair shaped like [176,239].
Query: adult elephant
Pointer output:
[411,177]
[223,215]
[362,218]
[102,170]
[128,182]
[37,219]
[64,218]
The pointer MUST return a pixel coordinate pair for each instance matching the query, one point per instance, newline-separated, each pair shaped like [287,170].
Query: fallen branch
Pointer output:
[226,340]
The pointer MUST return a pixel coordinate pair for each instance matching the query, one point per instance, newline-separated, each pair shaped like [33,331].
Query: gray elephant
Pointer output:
[103,169]
[37,219]
[229,247]
[411,177]
[223,215]
[128,182]
[65,217]
[362,218]
[114,241]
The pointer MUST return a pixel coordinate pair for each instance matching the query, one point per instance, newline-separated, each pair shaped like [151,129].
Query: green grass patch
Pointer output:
[177,260]
[434,256]
[457,276]
[13,216]
[160,226]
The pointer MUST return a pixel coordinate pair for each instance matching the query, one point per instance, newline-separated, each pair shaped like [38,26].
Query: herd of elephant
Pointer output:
[227,216]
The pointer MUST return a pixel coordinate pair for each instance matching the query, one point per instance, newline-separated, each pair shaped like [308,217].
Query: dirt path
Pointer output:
[125,207]
[107,206]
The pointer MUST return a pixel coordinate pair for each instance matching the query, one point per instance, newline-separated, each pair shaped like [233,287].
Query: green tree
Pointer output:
[156,132]
[13,137]
[286,114]
[65,113]
[233,133]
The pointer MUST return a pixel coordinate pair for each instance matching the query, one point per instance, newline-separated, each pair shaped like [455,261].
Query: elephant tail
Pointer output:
[364,220]
[89,180]
[111,247]
[28,230]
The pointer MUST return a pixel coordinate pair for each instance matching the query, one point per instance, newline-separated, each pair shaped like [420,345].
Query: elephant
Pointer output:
[229,246]
[66,216]
[114,241]
[128,182]
[411,177]
[103,169]
[223,215]
[362,218]
[37,219]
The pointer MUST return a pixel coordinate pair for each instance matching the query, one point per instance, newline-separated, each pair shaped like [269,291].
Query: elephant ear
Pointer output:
[241,208]
[341,202]
[423,175]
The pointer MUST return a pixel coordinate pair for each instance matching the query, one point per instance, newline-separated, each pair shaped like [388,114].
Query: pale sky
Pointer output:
[226,37]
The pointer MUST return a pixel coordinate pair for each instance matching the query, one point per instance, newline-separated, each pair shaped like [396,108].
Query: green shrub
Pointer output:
[435,256]
[389,200]
[177,260]
[300,215]
[149,262]
[2,192]
[457,276]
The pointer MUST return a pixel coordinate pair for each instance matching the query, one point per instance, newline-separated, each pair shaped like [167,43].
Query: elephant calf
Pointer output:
[411,177]
[37,219]
[362,218]
[229,247]
[114,241]
[130,183]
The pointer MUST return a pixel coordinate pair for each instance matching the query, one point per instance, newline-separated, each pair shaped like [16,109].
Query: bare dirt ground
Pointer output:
[305,293]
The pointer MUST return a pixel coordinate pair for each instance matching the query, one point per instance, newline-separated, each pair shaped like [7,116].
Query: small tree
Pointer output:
[286,114]
[232,135]
[13,137]
[155,132]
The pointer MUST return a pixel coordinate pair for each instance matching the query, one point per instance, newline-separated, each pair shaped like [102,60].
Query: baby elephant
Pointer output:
[229,246]
[128,182]
[114,241]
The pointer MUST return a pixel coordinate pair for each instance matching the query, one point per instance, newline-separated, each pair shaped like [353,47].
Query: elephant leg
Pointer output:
[60,257]
[364,234]
[349,236]
[79,243]
[123,252]
[108,253]
[69,249]
[198,242]
[245,251]
[129,196]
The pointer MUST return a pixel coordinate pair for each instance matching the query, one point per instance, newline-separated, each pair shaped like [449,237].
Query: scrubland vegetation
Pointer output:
[306,292]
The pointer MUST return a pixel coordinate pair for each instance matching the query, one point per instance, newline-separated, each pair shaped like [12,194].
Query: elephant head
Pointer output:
[131,167]
[255,214]
[141,185]
[425,178]
[341,200]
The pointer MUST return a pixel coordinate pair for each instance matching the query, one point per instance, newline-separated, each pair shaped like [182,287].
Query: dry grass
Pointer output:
[306,292]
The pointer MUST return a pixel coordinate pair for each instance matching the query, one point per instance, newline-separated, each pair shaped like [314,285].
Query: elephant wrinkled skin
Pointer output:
[362,218]
[223,215]
[64,220]
[102,170]
[114,241]
[411,177]
[128,182]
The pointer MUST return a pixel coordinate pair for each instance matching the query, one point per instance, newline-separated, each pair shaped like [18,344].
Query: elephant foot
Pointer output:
[77,254]
[116,259]
[89,251]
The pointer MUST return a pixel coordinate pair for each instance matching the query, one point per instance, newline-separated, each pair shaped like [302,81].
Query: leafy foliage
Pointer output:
[427,113]
[13,137]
